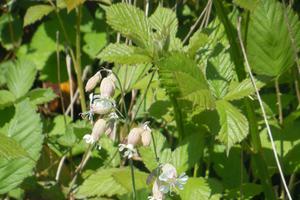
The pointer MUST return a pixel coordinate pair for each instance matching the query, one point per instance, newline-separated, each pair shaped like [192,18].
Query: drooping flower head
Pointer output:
[98,129]
[92,82]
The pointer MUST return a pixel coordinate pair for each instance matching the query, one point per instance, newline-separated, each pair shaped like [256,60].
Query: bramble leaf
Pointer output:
[35,13]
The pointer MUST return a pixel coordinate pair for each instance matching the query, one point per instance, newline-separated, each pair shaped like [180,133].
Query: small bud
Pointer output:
[146,138]
[107,88]
[134,136]
[111,130]
[98,129]
[92,82]
[146,134]
[156,193]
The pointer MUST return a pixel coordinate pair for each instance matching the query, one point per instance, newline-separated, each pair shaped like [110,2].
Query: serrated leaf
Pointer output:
[241,90]
[36,13]
[124,54]
[131,22]
[71,4]
[101,183]
[164,19]
[196,189]
[40,95]
[9,148]
[198,40]
[123,177]
[234,125]
[6,98]
[247,4]
[219,71]
[26,129]
[186,155]
[20,77]
[181,76]
[271,52]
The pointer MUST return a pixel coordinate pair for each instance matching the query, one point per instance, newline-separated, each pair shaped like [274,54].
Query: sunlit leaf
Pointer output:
[131,22]
[26,129]
[271,52]
[180,75]
[40,95]
[35,13]
[234,125]
[6,98]
[124,54]
[10,148]
[20,77]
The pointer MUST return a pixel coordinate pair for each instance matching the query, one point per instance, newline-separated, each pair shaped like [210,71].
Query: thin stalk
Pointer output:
[154,147]
[59,168]
[194,26]
[196,167]
[78,60]
[279,104]
[59,78]
[69,70]
[263,110]
[132,180]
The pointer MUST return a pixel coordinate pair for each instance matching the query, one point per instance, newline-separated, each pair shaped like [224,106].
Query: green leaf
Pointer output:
[131,22]
[196,189]
[247,4]
[249,190]
[71,4]
[94,42]
[8,22]
[101,183]
[26,129]
[164,20]
[9,148]
[186,155]
[198,40]
[41,95]
[219,71]
[6,98]
[181,76]
[124,54]
[20,77]
[241,90]
[123,177]
[35,13]
[234,125]
[271,52]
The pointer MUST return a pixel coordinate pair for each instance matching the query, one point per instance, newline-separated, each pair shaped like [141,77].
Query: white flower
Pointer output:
[169,180]
[130,151]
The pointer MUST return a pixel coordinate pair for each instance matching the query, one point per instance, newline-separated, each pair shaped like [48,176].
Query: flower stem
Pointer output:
[132,179]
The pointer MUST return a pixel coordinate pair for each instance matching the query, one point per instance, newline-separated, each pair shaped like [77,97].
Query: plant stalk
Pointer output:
[132,179]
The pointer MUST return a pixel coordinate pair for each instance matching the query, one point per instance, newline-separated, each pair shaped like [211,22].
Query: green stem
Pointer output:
[78,61]
[154,146]
[132,179]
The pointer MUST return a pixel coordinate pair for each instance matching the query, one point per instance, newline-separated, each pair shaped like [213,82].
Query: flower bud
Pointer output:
[98,129]
[92,82]
[156,193]
[146,134]
[107,88]
[112,77]
[110,130]
[146,138]
[134,136]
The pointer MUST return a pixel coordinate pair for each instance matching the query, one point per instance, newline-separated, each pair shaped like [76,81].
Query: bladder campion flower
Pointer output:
[169,180]
[107,87]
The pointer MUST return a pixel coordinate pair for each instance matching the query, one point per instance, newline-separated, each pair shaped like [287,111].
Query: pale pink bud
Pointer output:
[98,129]
[146,138]
[92,82]
[134,136]
[146,134]
[156,193]
[110,130]
[107,88]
